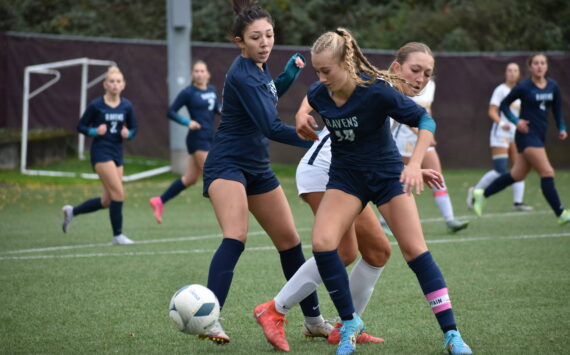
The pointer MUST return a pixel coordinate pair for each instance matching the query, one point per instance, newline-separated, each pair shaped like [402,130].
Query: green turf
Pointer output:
[508,274]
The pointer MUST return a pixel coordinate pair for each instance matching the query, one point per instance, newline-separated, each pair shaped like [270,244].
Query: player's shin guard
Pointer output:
[335,279]
[291,260]
[222,268]
[551,195]
[173,190]
[116,216]
[88,206]
[301,285]
[434,288]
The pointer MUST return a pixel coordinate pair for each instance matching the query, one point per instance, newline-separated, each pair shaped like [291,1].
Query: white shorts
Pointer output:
[406,140]
[499,138]
[311,178]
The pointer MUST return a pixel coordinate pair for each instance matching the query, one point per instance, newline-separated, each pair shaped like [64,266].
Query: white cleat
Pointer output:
[122,239]
[67,217]
[520,206]
[216,334]
[469,199]
[321,330]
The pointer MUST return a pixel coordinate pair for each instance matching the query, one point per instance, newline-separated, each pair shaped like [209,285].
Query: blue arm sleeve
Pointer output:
[260,107]
[172,112]
[505,106]
[86,120]
[290,73]
[557,110]
[427,122]
[132,123]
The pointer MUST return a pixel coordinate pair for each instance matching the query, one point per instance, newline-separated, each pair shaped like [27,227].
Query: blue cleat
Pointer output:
[455,344]
[348,332]
[478,201]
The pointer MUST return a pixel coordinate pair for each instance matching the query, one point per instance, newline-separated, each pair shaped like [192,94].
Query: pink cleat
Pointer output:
[157,208]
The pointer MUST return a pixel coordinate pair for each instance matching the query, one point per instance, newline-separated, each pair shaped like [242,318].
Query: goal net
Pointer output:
[52,69]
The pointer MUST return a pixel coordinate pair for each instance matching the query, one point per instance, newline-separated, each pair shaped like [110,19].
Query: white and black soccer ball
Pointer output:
[194,309]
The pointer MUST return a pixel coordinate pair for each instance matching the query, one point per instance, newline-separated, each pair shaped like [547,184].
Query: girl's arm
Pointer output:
[84,125]
[291,72]
[172,112]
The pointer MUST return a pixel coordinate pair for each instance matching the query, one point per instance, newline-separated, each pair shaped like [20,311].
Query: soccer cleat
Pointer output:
[321,330]
[454,226]
[362,338]
[386,229]
[478,201]
[273,324]
[216,334]
[67,217]
[455,345]
[520,206]
[564,217]
[348,332]
[157,208]
[469,200]
[122,239]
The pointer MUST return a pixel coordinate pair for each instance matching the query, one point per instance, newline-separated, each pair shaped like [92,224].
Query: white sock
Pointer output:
[301,285]
[487,179]
[443,202]
[362,279]
[518,191]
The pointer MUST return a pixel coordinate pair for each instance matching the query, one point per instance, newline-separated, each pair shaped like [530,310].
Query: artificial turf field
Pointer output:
[508,274]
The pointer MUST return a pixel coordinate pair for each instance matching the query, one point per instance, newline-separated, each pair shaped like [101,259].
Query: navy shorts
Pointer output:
[102,154]
[524,141]
[254,183]
[196,141]
[366,185]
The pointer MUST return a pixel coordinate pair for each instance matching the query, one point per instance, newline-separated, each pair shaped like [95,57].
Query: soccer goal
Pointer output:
[52,69]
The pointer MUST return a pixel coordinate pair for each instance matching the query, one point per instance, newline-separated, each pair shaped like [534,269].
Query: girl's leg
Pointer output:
[111,176]
[538,158]
[518,187]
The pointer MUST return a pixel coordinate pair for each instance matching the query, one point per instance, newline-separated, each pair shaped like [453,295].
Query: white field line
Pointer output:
[215,236]
[211,251]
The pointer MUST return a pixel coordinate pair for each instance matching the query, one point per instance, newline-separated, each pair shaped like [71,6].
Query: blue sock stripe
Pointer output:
[500,164]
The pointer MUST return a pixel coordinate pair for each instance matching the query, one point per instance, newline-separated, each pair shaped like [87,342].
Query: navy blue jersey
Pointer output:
[98,112]
[249,118]
[202,105]
[360,129]
[535,103]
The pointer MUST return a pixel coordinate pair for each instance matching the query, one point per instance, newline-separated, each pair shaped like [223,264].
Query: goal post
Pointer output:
[52,69]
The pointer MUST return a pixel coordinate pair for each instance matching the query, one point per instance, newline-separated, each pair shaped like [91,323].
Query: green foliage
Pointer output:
[446,25]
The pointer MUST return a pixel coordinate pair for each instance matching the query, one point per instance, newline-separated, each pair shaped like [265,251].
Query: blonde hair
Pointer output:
[344,47]
[113,69]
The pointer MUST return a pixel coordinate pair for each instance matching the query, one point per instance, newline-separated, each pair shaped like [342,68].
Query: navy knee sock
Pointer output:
[291,261]
[116,215]
[499,184]
[551,195]
[500,164]
[222,268]
[88,206]
[434,288]
[335,278]
[174,189]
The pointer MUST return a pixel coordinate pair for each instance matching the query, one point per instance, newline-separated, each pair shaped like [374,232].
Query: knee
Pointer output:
[347,256]
[188,180]
[547,173]
[379,257]
[105,202]
[117,195]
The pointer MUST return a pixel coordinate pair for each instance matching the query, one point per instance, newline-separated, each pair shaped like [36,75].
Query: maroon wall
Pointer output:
[464,85]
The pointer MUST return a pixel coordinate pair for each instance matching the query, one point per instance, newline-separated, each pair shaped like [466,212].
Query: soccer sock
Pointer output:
[443,202]
[487,179]
[222,268]
[116,216]
[518,191]
[301,285]
[88,206]
[500,163]
[174,189]
[291,260]
[434,288]
[334,277]
[499,184]
[551,195]
[361,281]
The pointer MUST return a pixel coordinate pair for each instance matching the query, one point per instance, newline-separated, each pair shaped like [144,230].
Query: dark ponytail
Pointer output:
[247,11]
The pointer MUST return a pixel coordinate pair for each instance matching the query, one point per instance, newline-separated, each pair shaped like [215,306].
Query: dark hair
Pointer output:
[247,11]
[531,58]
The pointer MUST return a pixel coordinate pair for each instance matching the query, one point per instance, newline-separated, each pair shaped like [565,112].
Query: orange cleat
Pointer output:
[363,338]
[272,323]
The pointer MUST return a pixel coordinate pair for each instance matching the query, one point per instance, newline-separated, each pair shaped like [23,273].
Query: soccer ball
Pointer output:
[194,309]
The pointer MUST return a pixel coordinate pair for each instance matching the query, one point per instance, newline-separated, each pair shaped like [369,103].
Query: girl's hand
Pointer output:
[194,126]
[299,63]
[506,127]
[411,178]
[125,132]
[432,178]
[102,129]
[522,126]
[305,126]
[562,136]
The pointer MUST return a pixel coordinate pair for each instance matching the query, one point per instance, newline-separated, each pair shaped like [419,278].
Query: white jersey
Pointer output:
[499,137]
[404,136]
